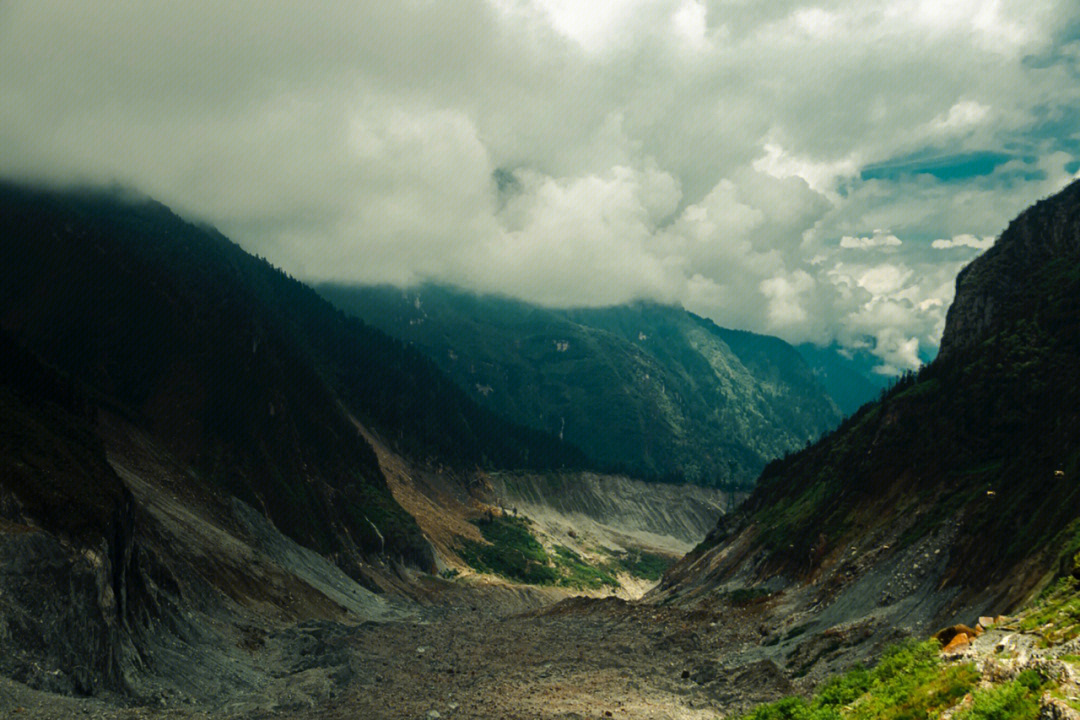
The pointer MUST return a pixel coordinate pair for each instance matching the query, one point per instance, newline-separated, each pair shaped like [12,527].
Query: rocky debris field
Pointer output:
[1002,651]
[581,658]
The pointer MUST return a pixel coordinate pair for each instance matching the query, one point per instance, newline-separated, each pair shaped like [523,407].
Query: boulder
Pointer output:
[945,635]
[959,642]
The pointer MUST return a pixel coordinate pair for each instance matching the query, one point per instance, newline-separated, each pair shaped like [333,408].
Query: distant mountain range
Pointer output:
[646,389]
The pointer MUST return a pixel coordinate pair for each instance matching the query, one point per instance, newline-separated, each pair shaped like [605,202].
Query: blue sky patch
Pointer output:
[945,168]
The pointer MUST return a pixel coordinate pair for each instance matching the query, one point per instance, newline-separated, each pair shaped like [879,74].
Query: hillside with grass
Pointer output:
[1015,668]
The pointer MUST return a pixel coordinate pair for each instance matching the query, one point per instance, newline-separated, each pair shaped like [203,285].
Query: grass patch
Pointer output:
[576,572]
[1056,614]
[511,552]
[1017,700]
[640,564]
[909,683]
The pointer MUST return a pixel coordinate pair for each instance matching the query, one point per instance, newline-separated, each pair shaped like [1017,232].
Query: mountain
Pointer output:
[847,375]
[954,495]
[244,372]
[646,389]
[204,467]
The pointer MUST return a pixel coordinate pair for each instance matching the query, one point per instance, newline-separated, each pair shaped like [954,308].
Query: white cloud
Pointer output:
[707,152]
[879,238]
[822,176]
[689,23]
[963,240]
[961,116]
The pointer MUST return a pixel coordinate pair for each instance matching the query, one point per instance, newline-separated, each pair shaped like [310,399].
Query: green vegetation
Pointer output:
[514,553]
[909,682]
[640,564]
[1016,700]
[576,572]
[1056,614]
[511,552]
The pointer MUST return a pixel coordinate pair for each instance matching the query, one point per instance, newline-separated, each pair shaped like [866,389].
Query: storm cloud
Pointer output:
[816,171]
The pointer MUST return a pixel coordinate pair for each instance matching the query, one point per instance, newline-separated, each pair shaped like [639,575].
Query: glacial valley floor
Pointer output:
[581,658]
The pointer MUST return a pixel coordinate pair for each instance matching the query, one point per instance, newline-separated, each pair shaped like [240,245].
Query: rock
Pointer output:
[1054,709]
[433,715]
[985,622]
[959,642]
[946,635]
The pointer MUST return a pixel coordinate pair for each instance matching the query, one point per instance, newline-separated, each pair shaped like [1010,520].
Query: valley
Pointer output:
[221,496]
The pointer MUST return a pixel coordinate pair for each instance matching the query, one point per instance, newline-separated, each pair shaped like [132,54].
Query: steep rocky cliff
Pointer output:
[957,492]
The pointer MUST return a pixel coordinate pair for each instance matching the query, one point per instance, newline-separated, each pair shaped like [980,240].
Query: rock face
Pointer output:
[955,495]
[990,288]
[120,571]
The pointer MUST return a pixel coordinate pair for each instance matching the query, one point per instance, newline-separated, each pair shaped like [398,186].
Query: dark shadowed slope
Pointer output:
[958,490]
[240,370]
[648,389]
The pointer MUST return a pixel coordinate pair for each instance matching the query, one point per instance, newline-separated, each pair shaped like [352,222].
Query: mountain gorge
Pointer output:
[647,389]
[221,496]
[198,451]
[243,372]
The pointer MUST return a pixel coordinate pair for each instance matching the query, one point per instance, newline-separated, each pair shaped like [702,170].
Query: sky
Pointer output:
[818,171]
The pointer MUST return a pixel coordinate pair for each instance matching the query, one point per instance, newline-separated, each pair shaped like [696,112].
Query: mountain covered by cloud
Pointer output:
[819,172]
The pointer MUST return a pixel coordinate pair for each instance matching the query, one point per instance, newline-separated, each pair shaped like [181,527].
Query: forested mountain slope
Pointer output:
[647,389]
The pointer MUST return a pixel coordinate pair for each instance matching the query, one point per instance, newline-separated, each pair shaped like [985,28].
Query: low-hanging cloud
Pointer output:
[777,167]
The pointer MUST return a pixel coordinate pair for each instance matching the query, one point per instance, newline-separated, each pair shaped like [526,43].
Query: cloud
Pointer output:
[880,238]
[729,156]
[964,240]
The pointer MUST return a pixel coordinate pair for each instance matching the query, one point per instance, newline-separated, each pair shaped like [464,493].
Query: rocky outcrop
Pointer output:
[989,289]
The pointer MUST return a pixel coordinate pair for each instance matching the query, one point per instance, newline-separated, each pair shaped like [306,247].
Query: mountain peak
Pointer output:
[996,286]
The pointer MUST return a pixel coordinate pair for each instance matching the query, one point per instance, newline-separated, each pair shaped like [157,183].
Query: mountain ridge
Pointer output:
[644,388]
[951,497]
